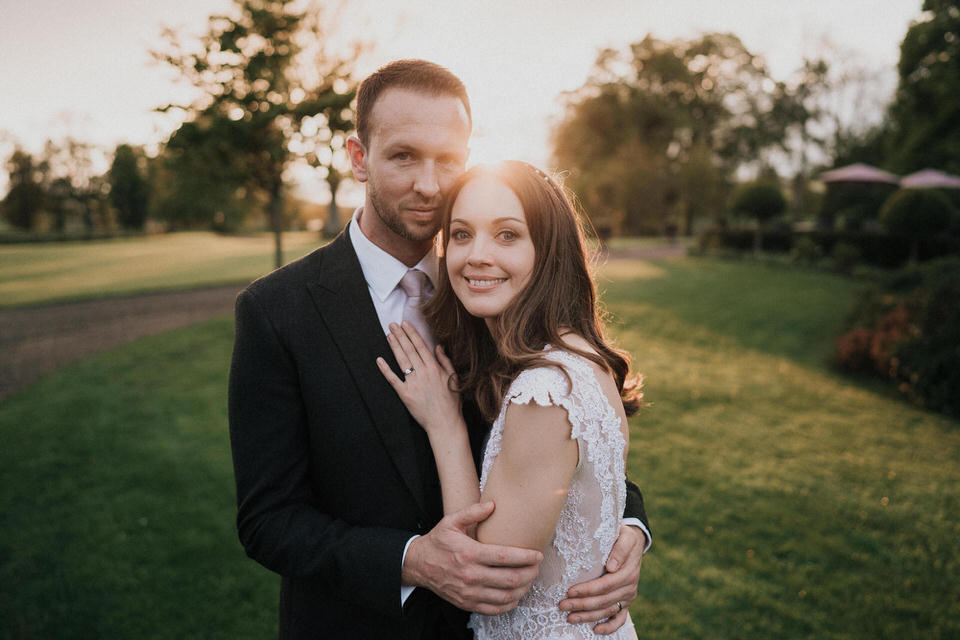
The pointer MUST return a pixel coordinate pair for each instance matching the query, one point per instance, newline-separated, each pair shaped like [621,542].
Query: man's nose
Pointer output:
[426,183]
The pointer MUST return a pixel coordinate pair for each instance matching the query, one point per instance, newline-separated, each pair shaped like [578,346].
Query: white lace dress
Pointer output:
[590,520]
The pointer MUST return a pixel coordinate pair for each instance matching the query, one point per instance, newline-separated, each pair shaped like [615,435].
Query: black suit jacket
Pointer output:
[333,475]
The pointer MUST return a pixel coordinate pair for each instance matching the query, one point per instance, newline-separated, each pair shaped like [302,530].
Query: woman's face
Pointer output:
[490,254]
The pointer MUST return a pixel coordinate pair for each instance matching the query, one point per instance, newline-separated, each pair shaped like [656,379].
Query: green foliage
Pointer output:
[806,251]
[657,131]
[908,332]
[263,72]
[25,196]
[929,361]
[198,180]
[845,256]
[129,189]
[762,201]
[77,193]
[876,248]
[855,203]
[926,110]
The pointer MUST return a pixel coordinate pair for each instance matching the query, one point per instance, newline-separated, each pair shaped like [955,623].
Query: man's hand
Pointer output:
[484,578]
[597,599]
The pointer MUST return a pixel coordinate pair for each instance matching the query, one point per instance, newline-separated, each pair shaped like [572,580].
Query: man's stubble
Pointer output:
[389,214]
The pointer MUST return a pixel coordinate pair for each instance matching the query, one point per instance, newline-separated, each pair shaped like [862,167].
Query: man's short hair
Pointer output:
[415,75]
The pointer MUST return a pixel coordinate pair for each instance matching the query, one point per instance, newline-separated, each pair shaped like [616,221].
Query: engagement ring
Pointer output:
[408,371]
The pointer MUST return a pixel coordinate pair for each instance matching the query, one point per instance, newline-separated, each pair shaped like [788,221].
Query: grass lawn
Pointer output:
[58,271]
[786,501]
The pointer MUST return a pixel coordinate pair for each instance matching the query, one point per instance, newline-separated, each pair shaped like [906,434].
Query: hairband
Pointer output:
[539,172]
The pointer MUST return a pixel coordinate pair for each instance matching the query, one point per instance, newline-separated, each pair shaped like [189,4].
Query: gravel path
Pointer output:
[38,340]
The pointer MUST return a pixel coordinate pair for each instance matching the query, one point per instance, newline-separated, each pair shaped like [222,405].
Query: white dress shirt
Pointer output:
[383,273]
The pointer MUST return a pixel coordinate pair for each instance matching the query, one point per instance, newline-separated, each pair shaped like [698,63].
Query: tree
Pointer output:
[249,71]
[129,190]
[197,181]
[654,125]
[761,201]
[25,197]
[925,115]
[77,187]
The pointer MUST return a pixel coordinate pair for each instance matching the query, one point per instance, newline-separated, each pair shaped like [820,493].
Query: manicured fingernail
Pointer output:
[614,565]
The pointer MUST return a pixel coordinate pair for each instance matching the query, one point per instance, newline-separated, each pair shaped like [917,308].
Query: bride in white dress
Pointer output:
[516,307]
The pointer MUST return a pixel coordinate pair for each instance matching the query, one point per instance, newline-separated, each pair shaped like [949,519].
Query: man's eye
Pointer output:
[403,155]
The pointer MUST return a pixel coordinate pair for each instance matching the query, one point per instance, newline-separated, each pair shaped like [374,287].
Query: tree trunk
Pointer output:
[331,226]
[276,223]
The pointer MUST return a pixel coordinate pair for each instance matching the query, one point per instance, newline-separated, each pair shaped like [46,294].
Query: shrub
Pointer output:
[806,250]
[908,332]
[845,256]
[928,363]
[761,200]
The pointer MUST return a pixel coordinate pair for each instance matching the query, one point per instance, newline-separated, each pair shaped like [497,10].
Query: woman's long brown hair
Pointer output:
[559,298]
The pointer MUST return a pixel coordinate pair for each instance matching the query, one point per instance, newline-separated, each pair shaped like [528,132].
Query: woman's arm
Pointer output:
[427,394]
[530,477]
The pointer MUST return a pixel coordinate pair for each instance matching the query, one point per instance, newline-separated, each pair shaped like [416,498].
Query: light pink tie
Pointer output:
[416,285]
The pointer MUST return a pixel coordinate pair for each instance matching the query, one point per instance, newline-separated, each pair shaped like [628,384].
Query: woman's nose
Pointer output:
[479,251]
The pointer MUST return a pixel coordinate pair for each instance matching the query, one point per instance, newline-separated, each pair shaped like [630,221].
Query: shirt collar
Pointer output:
[381,270]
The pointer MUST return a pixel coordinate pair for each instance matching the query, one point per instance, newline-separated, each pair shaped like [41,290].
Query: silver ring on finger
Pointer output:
[410,370]
[619,607]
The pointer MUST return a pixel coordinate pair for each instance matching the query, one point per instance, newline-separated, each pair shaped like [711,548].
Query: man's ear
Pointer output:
[358,158]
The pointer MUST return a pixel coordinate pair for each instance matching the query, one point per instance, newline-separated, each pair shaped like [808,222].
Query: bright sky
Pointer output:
[82,68]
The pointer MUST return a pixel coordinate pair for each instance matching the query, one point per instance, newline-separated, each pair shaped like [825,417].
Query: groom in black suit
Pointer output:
[336,483]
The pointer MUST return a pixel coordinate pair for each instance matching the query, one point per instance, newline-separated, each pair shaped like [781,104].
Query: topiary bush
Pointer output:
[916,214]
[761,201]
[845,256]
[806,251]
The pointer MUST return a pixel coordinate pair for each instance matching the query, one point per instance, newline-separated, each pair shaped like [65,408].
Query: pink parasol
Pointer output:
[859,172]
[930,179]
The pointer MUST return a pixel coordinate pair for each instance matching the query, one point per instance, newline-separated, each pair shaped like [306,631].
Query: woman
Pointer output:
[516,308]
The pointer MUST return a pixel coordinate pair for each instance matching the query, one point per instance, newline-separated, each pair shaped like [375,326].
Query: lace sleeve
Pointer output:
[547,386]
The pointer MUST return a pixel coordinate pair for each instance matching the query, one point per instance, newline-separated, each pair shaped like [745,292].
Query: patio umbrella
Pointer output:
[930,179]
[859,172]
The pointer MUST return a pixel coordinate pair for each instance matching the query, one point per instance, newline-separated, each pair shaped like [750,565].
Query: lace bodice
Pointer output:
[590,519]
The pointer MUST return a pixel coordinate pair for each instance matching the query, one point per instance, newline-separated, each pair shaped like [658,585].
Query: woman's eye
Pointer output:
[509,236]
[459,235]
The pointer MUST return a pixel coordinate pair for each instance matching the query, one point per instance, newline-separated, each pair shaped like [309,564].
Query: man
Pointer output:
[336,484]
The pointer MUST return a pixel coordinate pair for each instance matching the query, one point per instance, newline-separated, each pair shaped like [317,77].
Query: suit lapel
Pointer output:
[342,298]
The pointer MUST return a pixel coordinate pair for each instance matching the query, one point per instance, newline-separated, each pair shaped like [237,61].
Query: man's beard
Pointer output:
[390,216]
